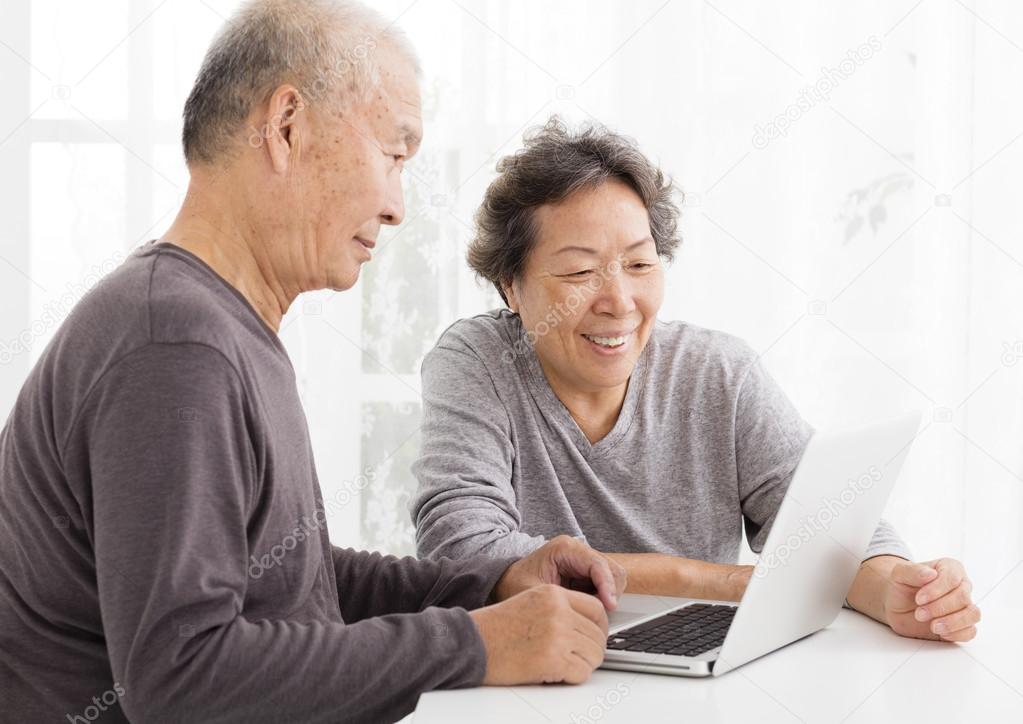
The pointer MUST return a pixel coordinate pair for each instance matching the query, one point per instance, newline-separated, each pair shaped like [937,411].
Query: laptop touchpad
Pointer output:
[619,619]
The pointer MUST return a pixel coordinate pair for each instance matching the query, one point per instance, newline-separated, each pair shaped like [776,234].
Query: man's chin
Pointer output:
[343,282]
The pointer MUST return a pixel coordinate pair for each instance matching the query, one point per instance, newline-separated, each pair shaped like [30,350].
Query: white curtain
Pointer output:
[863,235]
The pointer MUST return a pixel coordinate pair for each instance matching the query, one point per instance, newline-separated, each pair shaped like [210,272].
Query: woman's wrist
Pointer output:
[721,581]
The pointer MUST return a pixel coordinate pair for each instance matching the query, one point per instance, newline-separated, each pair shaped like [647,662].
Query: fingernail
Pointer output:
[922,614]
[922,598]
[940,628]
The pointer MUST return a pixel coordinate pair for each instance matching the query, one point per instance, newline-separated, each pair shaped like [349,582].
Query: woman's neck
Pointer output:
[594,411]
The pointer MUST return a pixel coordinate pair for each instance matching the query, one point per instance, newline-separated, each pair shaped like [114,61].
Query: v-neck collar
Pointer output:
[552,405]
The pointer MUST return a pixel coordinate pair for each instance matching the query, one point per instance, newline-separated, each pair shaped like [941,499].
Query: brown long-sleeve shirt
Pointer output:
[163,549]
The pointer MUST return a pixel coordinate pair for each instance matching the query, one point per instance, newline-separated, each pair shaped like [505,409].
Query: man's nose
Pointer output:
[394,212]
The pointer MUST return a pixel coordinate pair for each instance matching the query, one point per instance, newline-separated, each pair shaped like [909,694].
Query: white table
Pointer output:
[856,670]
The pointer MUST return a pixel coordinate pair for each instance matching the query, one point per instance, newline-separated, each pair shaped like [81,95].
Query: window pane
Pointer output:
[81,49]
[180,40]
[409,289]
[390,443]
[78,233]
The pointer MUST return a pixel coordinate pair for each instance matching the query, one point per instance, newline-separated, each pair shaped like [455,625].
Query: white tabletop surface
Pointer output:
[856,670]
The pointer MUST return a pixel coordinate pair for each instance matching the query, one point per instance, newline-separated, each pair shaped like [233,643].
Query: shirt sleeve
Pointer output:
[770,437]
[371,584]
[465,504]
[165,441]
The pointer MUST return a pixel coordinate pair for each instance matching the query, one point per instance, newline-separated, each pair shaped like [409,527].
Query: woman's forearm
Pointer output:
[866,594]
[665,575]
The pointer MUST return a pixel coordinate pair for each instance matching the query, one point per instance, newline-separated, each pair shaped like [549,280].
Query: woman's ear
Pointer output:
[510,297]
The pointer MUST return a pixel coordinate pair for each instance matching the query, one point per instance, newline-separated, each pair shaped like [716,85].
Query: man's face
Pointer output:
[348,182]
[591,288]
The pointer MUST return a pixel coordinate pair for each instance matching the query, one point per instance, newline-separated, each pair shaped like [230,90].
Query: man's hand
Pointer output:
[545,634]
[567,562]
[931,600]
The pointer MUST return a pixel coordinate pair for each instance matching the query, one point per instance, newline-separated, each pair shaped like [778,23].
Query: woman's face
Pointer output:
[591,288]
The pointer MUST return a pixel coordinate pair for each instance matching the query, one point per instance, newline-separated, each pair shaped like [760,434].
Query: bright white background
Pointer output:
[872,254]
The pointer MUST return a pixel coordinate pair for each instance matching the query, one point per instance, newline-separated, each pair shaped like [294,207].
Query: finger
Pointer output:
[966,618]
[589,607]
[957,600]
[577,669]
[962,635]
[585,627]
[621,576]
[577,560]
[592,652]
[604,580]
[950,575]
[913,574]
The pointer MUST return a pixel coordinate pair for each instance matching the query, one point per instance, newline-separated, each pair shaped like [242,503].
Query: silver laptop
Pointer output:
[810,559]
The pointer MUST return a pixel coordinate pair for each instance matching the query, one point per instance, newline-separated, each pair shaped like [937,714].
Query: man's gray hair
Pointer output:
[554,164]
[328,49]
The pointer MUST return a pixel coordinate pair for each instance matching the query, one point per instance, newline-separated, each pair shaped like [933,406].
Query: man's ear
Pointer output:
[284,126]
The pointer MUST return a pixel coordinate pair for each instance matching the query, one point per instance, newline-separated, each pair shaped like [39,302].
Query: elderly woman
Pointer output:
[576,411]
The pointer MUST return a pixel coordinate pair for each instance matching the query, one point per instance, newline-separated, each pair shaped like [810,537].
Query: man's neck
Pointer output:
[206,227]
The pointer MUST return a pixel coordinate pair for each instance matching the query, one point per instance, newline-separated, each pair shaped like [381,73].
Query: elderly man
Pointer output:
[159,447]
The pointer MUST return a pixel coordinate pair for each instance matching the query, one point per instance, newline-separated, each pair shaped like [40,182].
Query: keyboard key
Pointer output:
[687,631]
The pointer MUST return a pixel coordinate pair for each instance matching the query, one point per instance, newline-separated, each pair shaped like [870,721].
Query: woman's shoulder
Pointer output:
[498,328]
[491,336]
[688,348]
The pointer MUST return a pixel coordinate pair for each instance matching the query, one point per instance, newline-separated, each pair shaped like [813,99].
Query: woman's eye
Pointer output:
[581,273]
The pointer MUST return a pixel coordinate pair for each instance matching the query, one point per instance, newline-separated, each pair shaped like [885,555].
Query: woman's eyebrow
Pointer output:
[589,250]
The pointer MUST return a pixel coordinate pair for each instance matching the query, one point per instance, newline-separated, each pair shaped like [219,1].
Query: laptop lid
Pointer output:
[818,538]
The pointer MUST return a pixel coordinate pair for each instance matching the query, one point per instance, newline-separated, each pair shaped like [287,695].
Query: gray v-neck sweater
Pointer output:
[705,442]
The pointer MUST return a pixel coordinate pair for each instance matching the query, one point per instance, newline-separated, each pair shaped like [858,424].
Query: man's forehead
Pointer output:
[399,93]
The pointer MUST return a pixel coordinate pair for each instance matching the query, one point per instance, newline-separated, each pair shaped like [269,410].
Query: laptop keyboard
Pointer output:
[687,631]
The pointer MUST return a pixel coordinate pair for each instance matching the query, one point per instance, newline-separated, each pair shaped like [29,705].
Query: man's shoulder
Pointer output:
[189,303]
[157,295]
[156,299]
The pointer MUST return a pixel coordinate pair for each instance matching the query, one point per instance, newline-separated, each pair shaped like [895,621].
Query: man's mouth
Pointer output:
[368,243]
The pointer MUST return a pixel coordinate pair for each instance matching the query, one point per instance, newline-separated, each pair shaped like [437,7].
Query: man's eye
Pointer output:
[640,266]
[581,273]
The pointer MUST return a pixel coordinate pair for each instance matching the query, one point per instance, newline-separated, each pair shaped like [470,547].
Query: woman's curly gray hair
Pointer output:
[554,164]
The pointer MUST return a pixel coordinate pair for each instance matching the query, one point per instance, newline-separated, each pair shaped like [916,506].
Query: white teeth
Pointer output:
[607,341]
